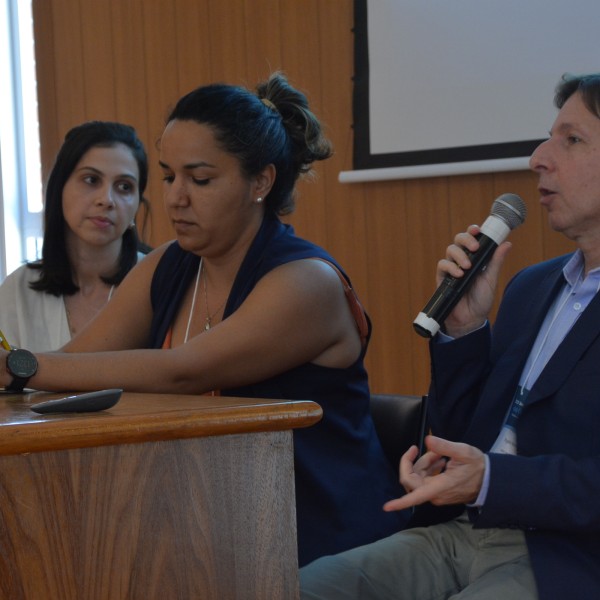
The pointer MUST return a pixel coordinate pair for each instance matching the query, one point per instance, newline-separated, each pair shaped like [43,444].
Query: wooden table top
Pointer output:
[140,418]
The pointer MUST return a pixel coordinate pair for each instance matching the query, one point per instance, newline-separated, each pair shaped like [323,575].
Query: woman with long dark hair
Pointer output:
[90,241]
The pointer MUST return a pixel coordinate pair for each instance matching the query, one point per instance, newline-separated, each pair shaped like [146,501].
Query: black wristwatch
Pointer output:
[22,365]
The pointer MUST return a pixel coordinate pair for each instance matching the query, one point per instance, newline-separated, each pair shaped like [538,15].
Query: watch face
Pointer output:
[21,363]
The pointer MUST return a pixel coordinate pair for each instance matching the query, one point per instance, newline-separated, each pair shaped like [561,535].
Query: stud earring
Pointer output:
[259,200]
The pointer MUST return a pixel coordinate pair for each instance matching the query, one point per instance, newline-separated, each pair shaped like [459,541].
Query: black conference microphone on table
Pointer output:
[508,211]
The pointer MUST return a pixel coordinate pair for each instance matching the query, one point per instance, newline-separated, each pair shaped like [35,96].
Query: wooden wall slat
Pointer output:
[129,73]
[128,66]
[162,83]
[193,64]
[346,218]
[70,70]
[388,286]
[97,62]
[43,32]
[301,61]
[388,236]
[263,42]
[428,233]
[228,44]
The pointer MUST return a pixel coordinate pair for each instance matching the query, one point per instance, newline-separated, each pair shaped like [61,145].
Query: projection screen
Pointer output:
[461,86]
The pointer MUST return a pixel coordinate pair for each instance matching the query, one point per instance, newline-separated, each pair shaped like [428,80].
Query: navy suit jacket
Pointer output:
[551,489]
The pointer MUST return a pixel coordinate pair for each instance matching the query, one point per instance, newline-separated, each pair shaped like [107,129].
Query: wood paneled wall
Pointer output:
[130,60]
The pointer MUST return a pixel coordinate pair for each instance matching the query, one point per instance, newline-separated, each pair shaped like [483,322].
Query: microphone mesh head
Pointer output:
[511,209]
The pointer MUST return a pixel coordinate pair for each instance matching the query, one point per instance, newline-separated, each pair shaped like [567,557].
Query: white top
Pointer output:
[30,319]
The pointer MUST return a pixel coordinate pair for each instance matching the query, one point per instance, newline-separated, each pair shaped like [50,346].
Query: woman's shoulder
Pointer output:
[156,254]
[170,263]
[169,254]
[16,291]
[21,277]
[288,247]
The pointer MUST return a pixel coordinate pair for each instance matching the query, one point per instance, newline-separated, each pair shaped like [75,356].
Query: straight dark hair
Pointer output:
[56,276]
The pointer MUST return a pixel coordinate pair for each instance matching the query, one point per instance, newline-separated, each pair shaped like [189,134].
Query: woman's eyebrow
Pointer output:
[189,165]
[99,172]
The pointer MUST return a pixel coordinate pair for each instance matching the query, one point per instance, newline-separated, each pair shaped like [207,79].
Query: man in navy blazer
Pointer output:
[509,488]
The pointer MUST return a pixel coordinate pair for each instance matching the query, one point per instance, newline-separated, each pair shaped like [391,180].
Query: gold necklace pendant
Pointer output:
[209,317]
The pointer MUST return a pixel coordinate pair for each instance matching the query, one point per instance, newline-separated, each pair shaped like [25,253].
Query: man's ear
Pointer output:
[265,180]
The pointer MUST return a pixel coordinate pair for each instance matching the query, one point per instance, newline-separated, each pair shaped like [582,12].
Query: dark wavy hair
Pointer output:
[587,85]
[272,126]
[55,269]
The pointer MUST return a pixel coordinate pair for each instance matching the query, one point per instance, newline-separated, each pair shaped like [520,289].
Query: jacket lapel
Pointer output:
[585,331]
[499,390]
[519,351]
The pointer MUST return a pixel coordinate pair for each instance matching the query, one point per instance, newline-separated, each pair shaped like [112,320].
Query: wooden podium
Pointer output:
[160,497]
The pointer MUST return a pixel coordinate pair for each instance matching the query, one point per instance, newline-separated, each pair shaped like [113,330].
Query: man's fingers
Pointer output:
[422,494]
[452,450]
[407,460]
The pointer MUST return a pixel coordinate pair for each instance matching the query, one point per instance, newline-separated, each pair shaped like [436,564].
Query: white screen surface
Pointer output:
[467,74]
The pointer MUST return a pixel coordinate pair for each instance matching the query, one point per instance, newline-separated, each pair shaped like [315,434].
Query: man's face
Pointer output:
[568,165]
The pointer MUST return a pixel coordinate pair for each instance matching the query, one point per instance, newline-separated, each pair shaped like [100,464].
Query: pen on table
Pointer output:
[4,343]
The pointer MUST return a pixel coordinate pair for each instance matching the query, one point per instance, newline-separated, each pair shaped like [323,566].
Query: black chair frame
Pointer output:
[400,421]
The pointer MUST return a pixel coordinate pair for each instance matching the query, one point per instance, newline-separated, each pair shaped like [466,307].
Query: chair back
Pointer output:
[400,421]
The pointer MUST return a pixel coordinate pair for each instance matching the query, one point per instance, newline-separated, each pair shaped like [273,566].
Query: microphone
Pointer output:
[508,211]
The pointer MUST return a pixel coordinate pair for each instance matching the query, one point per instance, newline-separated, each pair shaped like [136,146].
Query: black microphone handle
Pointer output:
[452,289]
